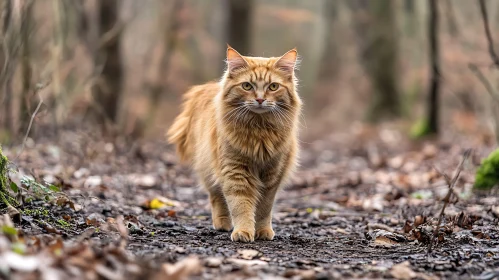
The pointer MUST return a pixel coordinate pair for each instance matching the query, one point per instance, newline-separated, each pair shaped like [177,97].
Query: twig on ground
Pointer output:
[446,200]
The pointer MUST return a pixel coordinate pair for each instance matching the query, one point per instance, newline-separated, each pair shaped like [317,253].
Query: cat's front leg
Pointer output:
[263,225]
[240,189]
[272,179]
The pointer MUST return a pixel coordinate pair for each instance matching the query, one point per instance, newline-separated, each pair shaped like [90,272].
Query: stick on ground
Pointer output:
[447,198]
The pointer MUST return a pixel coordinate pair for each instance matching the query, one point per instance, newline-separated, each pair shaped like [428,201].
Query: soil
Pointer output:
[356,209]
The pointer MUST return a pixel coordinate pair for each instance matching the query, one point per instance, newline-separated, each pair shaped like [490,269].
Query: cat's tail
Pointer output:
[178,133]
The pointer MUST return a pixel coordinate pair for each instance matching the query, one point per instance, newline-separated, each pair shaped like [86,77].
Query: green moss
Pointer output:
[420,129]
[487,175]
[38,212]
[63,223]
[5,198]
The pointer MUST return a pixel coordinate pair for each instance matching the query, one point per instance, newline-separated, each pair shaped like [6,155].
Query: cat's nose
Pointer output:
[260,100]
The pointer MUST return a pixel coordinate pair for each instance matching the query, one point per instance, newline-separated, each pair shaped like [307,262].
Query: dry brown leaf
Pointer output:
[14,214]
[248,254]
[213,262]
[244,263]
[180,270]
[385,238]
[403,271]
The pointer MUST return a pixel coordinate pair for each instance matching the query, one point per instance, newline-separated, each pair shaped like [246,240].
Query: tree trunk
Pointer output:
[108,88]
[60,53]
[330,60]
[381,59]
[160,63]
[240,25]
[433,29]
[451,18]
[28,100]
[8,64]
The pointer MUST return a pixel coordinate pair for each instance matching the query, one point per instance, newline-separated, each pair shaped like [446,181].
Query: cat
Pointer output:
[241,136]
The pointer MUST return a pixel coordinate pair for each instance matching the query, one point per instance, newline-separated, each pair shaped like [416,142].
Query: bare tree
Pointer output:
[28,100]
[6,68]
[240,25]
[63,10]
[451,18]
[101,29]
[330,60]
[380,56]
[160,63]
[108,89]
[491,89]
[433,97]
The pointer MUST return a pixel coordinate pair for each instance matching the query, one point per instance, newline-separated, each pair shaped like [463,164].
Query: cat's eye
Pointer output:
[247,86]
[273,86]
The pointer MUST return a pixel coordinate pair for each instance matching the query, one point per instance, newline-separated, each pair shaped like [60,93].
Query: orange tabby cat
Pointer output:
[241,136]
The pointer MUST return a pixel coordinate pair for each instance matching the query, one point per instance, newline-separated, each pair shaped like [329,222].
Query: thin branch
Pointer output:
[485,82]
[490,41]
[38,89]
[113,34]
[453,182]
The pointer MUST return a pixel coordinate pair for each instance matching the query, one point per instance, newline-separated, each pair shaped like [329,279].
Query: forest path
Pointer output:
[351,212]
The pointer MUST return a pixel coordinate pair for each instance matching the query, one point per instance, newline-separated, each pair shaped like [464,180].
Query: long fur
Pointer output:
[241,157]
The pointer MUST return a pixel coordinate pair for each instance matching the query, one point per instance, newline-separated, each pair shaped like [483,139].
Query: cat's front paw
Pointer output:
[266,233]
[222,223]
[243,235]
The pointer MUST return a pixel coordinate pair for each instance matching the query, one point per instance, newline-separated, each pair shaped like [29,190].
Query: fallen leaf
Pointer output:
[172,213]
[385,238]
[80,173]
[180,270]
[403,271]
[179,250]
[14,214]
[213,262]
[160,202]
[249,254]
[376,202]
[20,263]
[92,181]
[419,220]
[422,194]
[95,219]
[244,263]
[145,181]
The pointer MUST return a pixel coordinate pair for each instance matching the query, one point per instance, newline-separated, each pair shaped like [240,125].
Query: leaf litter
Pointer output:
[356,209]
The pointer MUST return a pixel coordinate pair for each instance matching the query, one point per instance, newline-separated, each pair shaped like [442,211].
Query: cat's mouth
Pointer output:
[259,109]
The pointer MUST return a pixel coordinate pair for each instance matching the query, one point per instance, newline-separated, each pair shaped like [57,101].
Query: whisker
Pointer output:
[241,113]
[288,107]
[235,113]
[283,116]
[274,112]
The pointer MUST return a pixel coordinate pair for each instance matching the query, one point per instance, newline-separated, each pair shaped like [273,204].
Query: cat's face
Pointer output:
[262,86]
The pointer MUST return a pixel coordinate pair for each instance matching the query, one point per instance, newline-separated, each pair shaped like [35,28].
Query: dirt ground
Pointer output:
[360,207]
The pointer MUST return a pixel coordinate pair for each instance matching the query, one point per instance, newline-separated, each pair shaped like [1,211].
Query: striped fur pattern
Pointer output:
[240,135]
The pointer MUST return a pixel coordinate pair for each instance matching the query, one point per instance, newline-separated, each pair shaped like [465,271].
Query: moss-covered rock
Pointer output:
[487,175]
[5,198]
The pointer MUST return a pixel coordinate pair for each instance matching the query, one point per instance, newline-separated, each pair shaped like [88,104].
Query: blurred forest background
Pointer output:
[124,64]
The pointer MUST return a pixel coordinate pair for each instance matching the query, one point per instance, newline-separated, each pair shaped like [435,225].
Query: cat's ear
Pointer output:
[287,62]
[235,61]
